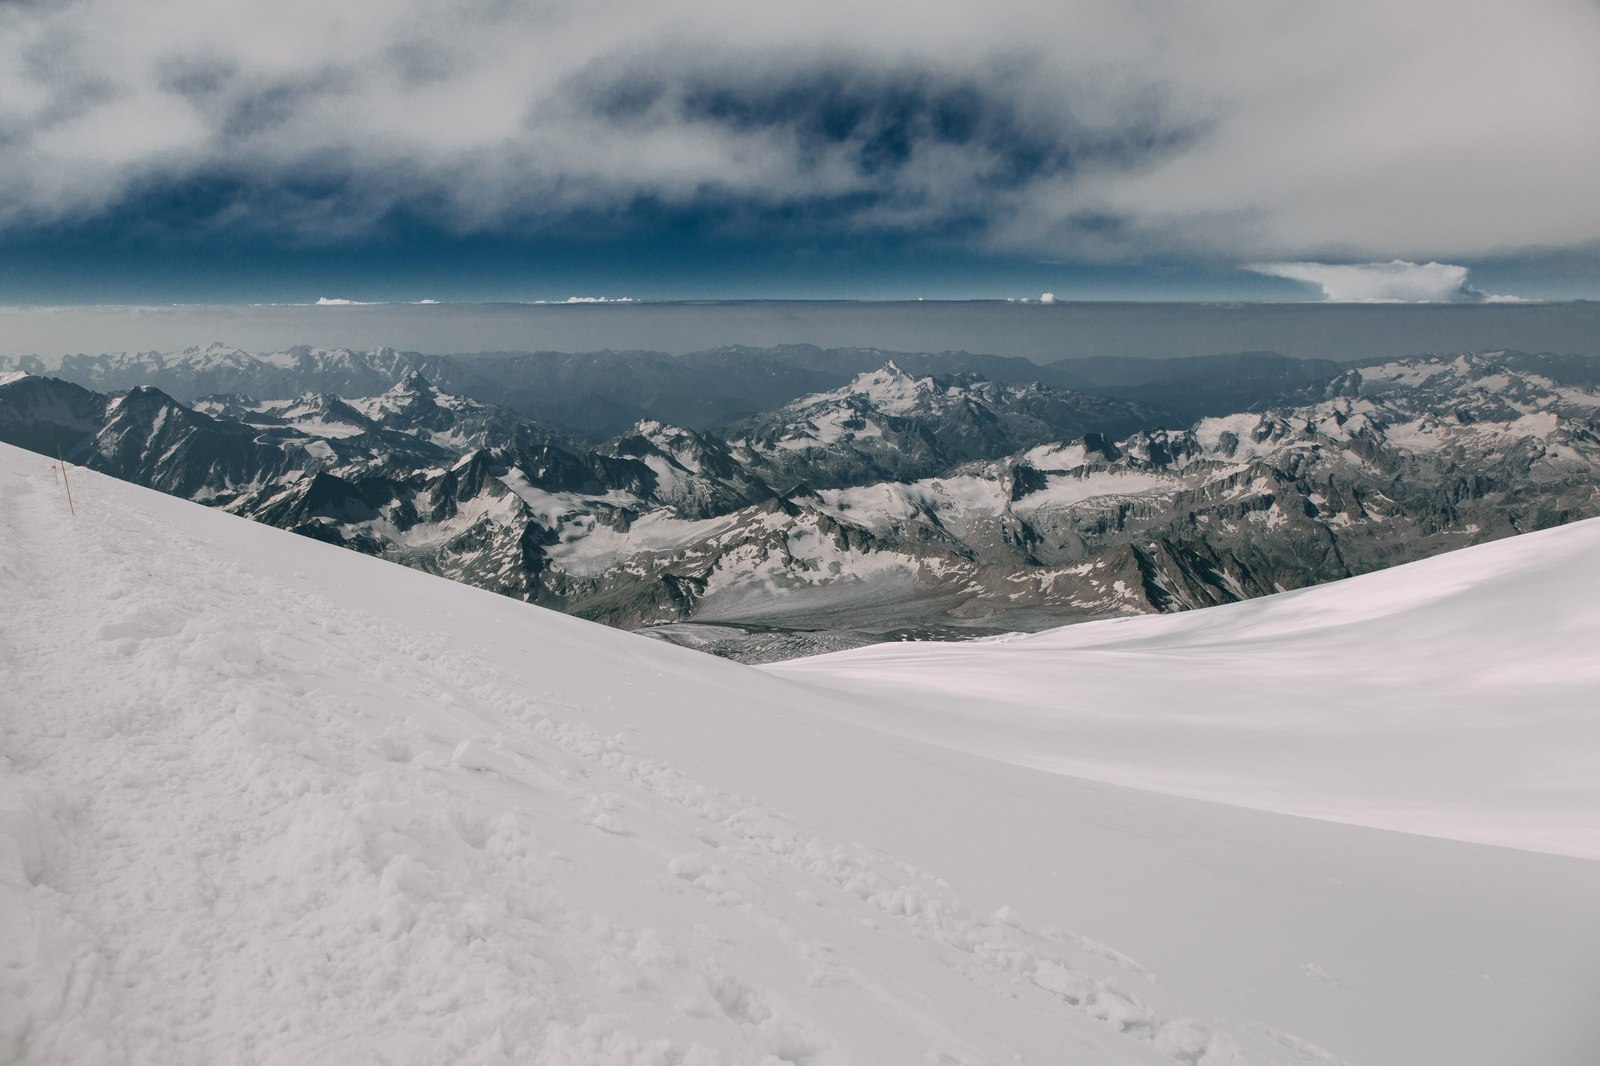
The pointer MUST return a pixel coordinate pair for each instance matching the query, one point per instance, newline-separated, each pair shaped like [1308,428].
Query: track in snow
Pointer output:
[265,800]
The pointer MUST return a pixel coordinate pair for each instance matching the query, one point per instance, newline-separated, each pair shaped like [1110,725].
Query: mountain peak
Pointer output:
[412,390]
[649,428]
[216,354]
[889,388]
[663,435]
[413,382]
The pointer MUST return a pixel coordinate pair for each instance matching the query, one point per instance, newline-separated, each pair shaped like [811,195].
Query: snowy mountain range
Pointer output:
[896,504]
[601,394]
[264,800]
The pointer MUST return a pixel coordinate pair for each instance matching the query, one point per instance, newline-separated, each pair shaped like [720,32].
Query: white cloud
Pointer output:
[1397,281]
[339,301]
[1368,129]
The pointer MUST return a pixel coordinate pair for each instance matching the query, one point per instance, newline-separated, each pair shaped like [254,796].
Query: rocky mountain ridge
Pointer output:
[898,503]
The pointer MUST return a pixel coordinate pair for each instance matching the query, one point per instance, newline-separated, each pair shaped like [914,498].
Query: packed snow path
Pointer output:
[262,800]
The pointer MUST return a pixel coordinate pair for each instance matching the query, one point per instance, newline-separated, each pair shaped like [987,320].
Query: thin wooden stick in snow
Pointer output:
[68,485]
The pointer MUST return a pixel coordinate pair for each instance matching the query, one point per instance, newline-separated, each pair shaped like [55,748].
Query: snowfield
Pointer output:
[263,800]
[1458,697]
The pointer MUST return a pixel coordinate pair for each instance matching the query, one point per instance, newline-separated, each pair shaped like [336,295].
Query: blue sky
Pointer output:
[113,262]
[696,149]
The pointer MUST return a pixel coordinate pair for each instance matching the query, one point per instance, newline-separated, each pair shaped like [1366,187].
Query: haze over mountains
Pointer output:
[763,503]
[602,393]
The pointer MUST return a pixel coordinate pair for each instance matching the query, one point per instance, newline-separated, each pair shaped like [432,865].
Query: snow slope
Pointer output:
[264,800]
[1458,696]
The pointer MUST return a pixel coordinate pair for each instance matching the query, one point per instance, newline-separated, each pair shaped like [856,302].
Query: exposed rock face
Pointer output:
[46,415]
[897,504]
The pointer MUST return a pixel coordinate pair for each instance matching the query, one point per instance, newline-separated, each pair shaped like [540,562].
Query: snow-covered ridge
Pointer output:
[1448,697]
[864,410]
[265,799]
[889,389]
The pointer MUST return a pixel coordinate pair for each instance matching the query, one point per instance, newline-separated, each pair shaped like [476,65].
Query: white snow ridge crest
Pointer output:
[267,801]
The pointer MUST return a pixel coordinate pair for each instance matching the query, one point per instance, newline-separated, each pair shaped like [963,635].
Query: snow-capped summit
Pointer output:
[889,389]
[902,426]
[150,438]
[412,396]
[416,407]
[695,474]
[315,414]
[212,356]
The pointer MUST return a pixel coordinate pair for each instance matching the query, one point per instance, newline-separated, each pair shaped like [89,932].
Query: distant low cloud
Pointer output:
[1397,281]
[339,301]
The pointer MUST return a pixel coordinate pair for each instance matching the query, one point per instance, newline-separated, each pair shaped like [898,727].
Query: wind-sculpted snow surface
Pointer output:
[1453,697]
[266,801]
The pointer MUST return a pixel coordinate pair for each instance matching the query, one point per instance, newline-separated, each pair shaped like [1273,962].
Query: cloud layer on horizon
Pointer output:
[1093,129]
[1397,281]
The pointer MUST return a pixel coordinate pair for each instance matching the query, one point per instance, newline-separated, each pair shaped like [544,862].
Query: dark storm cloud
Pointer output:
[880,119]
